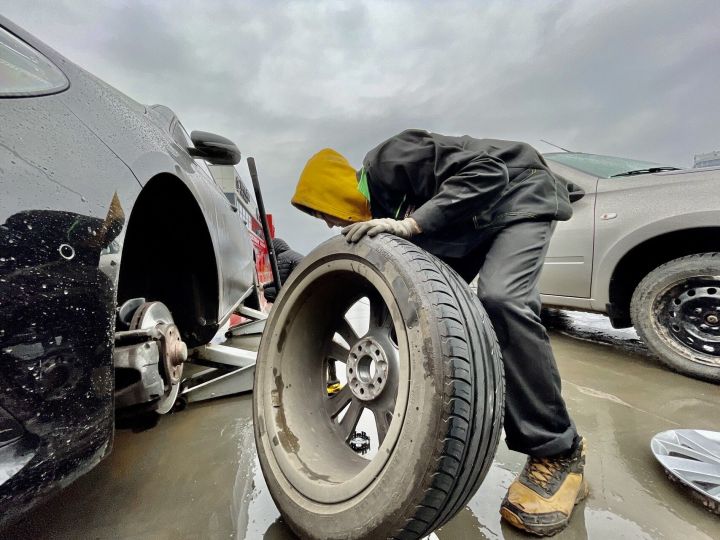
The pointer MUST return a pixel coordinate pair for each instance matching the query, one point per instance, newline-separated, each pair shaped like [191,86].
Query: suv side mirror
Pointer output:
[214,149]
[576,193]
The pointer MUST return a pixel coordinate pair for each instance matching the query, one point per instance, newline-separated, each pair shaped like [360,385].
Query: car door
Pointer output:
[567,272]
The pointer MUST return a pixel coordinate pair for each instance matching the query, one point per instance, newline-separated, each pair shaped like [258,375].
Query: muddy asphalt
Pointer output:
[195,474]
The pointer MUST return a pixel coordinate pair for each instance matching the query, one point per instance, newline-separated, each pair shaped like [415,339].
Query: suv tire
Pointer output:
[676,311]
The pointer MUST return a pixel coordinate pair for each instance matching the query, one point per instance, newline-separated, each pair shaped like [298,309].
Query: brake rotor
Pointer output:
[173,351]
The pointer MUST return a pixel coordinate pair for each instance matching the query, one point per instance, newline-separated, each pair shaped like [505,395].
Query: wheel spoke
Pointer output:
[382,423]
[350,420]
[331,372]
[347,332]
[338,352]
[335,404]
[379,313]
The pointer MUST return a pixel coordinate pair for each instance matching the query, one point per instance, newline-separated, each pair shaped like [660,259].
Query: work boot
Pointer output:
[541,499]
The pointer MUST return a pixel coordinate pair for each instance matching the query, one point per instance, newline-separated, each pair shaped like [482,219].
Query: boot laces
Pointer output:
[543,470]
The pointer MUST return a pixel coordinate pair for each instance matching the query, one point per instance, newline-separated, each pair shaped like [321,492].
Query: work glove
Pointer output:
[270,292]
[404,228]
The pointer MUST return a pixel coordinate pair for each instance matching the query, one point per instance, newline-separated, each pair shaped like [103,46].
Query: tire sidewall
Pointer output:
[406,475]
[671,352]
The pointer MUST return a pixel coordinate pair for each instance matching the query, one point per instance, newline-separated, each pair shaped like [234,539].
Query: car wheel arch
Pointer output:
[646,255]
[168,254]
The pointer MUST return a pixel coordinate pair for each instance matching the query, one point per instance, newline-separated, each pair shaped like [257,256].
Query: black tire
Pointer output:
[448,404]
[670,310]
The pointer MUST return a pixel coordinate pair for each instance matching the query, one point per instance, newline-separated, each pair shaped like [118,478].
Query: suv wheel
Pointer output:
[676,311]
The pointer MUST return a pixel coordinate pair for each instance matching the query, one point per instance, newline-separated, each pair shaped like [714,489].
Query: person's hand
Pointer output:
[270,293]
[404,228]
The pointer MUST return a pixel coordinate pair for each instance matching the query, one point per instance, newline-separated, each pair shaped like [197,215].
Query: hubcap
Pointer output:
[690,312]
[691,456]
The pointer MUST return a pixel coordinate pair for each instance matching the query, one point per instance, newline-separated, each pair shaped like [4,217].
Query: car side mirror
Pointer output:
[576,194]
[214,149]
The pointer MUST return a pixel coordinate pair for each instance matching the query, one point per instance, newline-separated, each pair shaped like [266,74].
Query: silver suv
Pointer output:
[642,247]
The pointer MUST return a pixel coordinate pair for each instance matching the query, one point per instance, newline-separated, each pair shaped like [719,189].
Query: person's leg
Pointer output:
[467,267]
[537,422]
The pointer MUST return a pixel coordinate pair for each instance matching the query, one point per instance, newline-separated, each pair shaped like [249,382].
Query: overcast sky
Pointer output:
[285,79]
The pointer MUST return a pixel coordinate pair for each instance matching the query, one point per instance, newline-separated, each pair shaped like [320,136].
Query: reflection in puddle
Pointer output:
[629,497]
[254,512]
[592,327]
[218,490]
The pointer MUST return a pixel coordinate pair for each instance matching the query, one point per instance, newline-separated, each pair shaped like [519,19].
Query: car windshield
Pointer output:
[598,165]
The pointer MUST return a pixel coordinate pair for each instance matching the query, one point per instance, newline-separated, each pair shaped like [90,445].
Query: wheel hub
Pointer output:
[367,369]
[174,352]
[693,315]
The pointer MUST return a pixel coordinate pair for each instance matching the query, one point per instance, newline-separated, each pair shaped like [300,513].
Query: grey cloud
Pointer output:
[284,79]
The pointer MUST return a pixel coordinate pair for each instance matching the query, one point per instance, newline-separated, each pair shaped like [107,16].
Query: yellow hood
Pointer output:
[328,184]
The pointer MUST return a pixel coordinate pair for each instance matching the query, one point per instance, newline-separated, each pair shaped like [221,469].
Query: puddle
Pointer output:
[196,474]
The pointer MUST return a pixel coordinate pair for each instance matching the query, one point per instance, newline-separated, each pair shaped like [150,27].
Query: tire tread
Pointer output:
[468,339]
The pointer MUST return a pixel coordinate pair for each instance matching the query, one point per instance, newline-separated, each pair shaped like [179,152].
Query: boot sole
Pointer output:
[546,529]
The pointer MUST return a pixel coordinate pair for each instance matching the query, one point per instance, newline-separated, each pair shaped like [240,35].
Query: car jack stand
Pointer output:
[217,370]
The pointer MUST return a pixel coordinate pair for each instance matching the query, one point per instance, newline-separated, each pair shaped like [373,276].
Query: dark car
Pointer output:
[103,203]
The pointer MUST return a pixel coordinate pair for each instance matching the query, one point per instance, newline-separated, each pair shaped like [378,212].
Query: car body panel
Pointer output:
[56,303]
[647,206]
[628,211]
[611,248]
[151,151]
[142,140]
[567,269]
[72,166]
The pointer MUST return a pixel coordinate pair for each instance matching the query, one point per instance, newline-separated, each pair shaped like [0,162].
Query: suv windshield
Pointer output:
[602,166]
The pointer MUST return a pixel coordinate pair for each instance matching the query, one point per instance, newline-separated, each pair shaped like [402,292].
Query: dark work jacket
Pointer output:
[461,190]
[287,260]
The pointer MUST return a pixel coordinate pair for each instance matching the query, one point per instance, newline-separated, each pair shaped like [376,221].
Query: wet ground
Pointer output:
[196,475]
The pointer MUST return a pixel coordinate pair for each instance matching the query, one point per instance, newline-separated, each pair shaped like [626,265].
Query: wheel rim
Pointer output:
[689,313]
[311,432]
